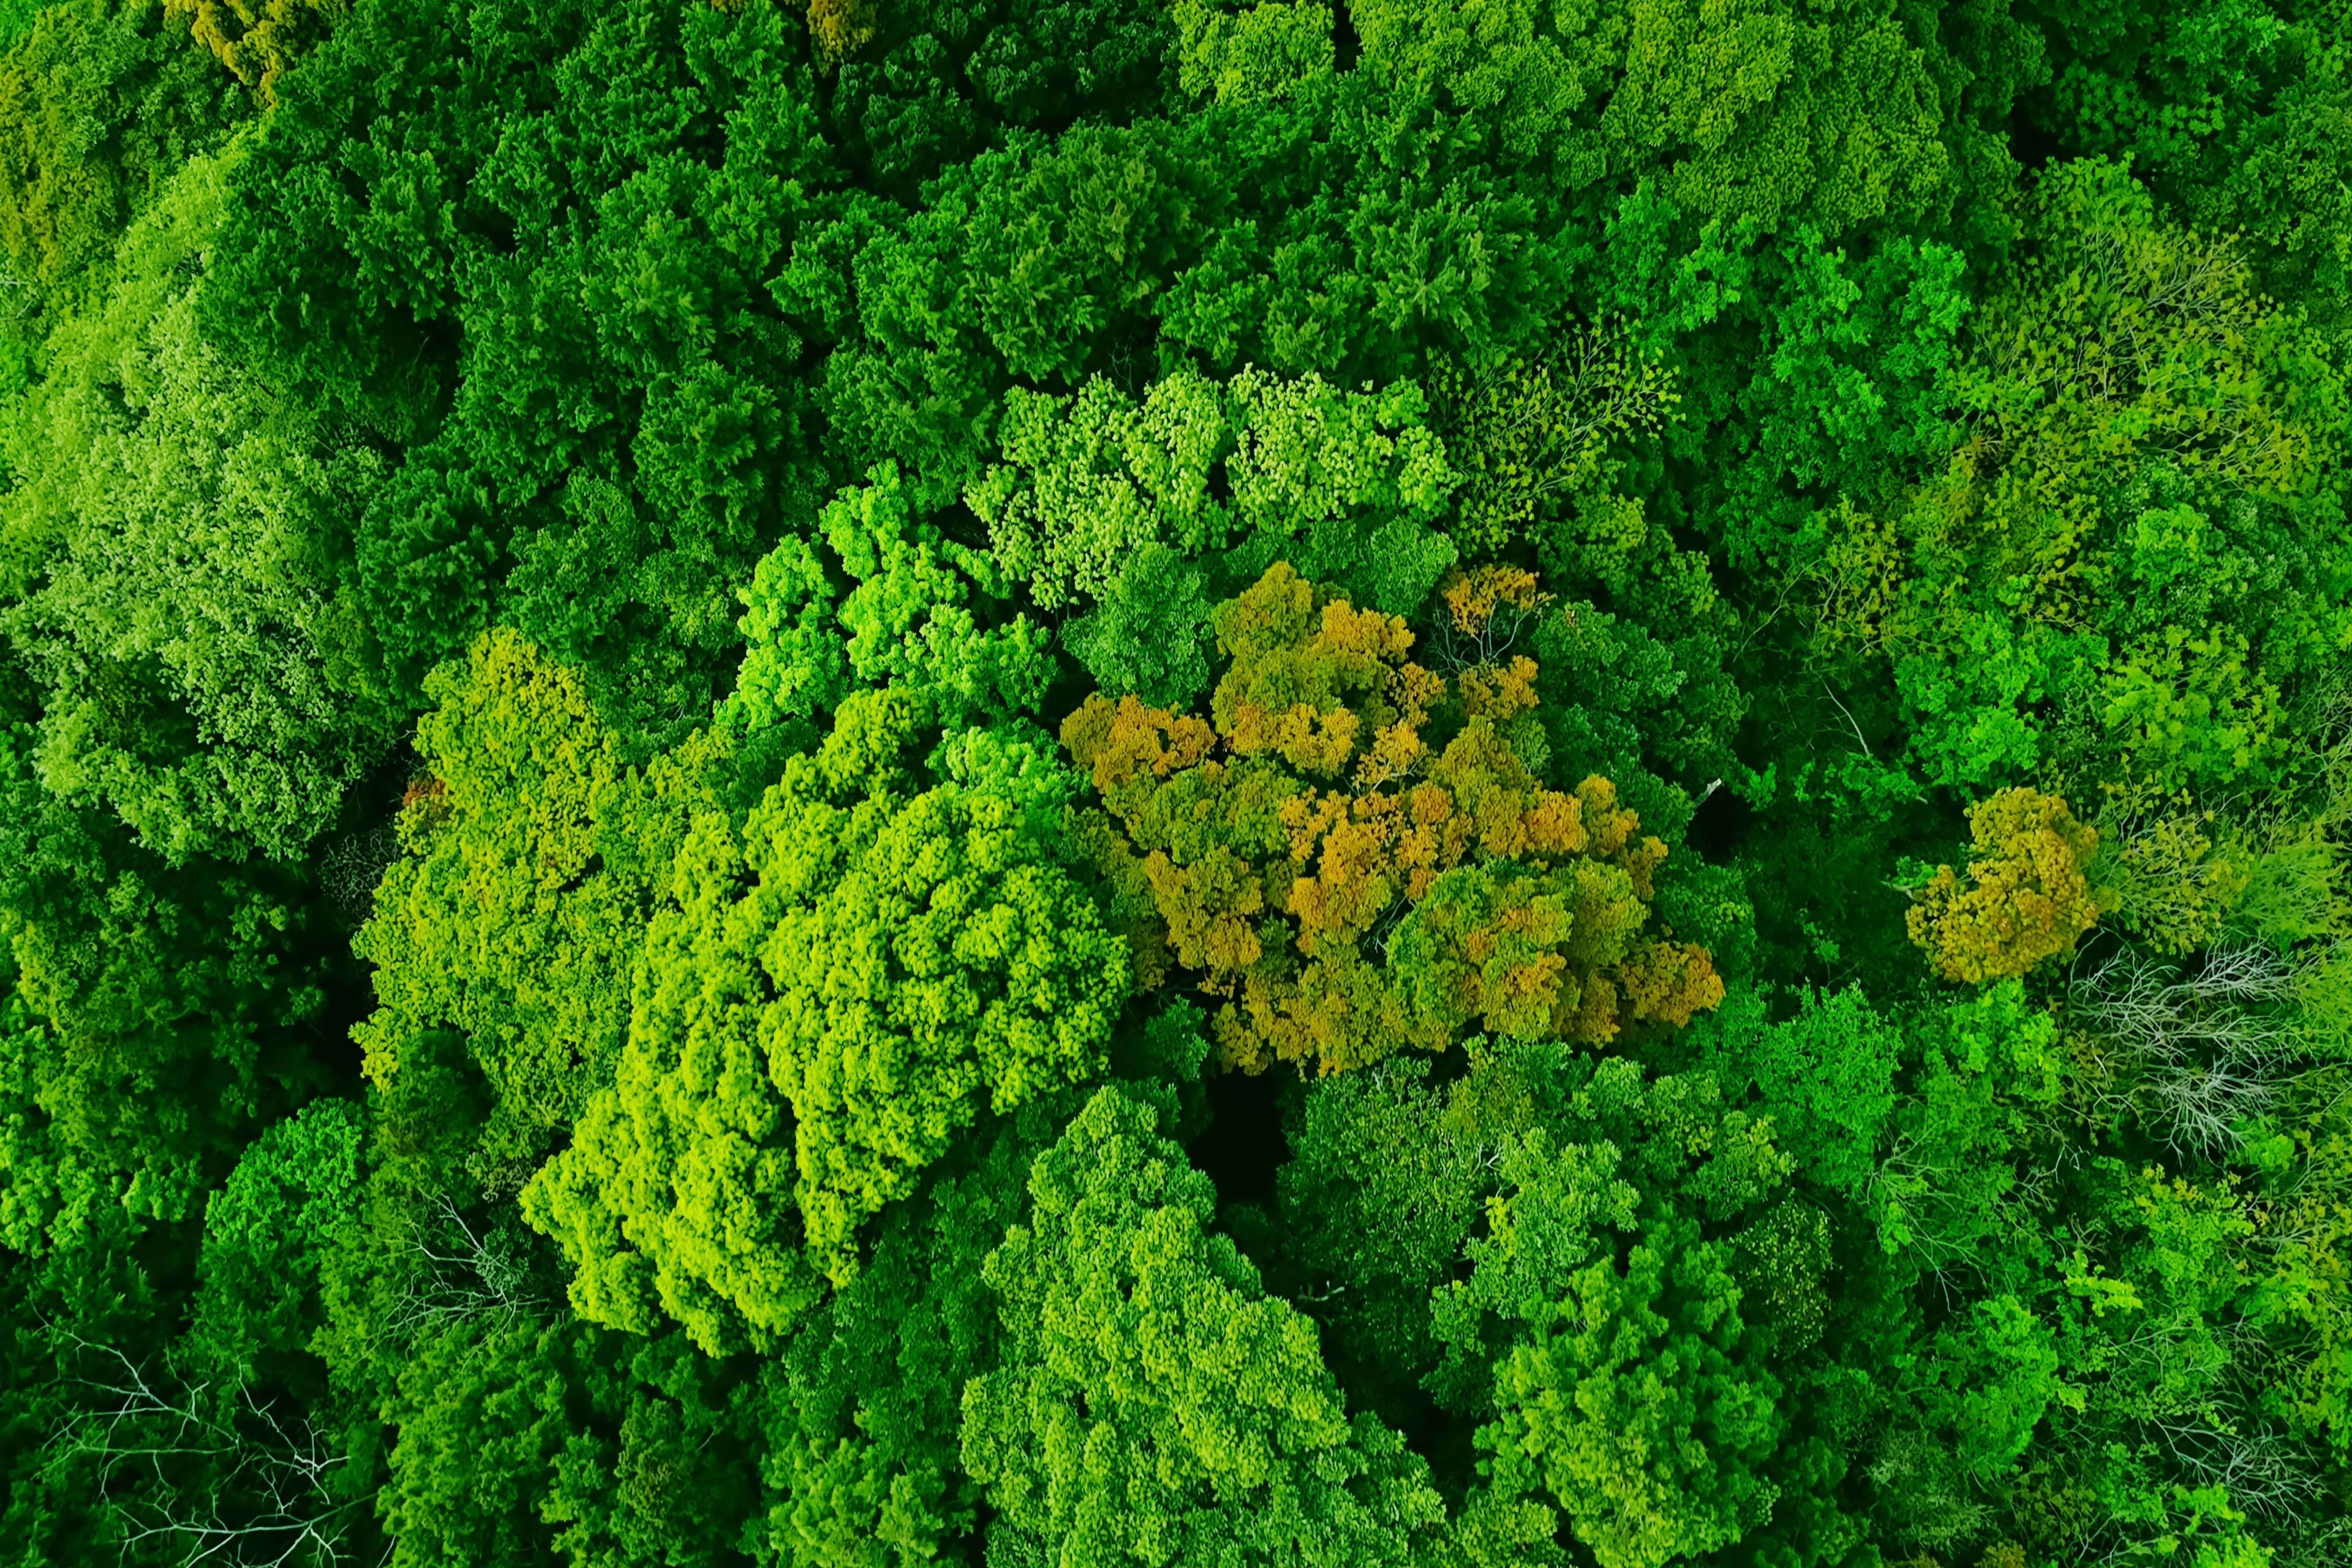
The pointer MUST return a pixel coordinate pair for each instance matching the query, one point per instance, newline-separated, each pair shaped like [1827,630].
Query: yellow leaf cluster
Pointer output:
[258,39]
[2025,897]
[839,26]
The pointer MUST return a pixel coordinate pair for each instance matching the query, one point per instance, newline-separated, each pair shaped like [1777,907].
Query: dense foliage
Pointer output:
[918,782]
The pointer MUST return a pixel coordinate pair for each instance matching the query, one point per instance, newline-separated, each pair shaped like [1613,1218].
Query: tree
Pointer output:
[911,620]
[1756,112]
[257,42]
[863,1411]
[1529,430]
[100,105]
[1826,1078]
[2152,439]
[605,484]
[515,916]
[1347,484]
[1343,887]
[930,954]
[827,996]
[267,1232]
[1388,1175]
[172,564]
[2262,158]
[1254,54]
[1556,511]
[2028,897]
[1153,1403]
[141,990]
[1642,1277]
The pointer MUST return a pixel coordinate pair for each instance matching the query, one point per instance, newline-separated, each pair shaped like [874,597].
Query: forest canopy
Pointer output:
[1142,785]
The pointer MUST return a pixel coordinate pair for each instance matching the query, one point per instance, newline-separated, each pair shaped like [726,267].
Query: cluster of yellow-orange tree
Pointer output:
[1350,853]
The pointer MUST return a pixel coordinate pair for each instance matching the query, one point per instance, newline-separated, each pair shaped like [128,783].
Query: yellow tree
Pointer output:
[2026,896]
[258,39]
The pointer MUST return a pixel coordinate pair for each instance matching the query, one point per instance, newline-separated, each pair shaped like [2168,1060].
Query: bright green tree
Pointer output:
[827,995]
[1346,485]
[1154,1405]
[514,916]
[173,544]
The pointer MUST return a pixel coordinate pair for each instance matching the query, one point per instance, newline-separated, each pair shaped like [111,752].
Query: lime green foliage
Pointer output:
[676,1188]
[930,955]
[515,916]
[1155,1405]
[170,548]
[909,622]
[826,996]
[1342,484]
[1254,54]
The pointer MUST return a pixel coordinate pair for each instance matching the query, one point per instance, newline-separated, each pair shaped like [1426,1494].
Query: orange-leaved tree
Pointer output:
[1351,853]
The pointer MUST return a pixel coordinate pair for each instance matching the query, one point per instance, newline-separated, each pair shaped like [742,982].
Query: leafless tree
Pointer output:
[350,867]
[229,1481]
[462,1270]
[2266,1473]
[2203,1050]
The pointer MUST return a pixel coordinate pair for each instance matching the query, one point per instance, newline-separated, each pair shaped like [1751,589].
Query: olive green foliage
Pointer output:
[1531,430]
[738,739]
[2132,565]
[104,101]
[2027,900]
[257,42]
